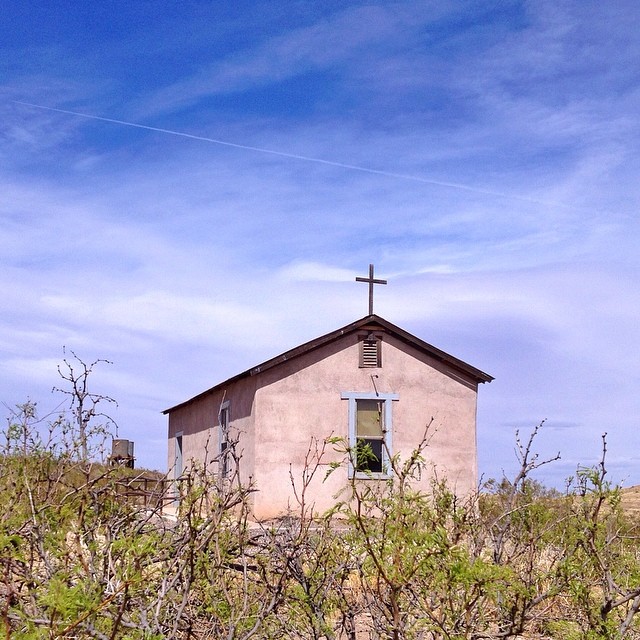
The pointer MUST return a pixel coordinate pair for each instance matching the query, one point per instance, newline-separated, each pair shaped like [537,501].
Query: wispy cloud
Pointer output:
[326,43]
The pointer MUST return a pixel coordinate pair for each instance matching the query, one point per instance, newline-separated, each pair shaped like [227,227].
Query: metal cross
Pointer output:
[371,280]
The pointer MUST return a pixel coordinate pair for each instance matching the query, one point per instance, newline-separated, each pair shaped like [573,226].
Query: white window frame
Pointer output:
[387,449]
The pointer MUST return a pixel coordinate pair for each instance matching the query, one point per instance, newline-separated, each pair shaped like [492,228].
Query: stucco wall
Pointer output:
[198,423]
[300,400]
[279,414]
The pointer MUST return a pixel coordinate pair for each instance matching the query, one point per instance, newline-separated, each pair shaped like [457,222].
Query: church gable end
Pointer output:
[371,383]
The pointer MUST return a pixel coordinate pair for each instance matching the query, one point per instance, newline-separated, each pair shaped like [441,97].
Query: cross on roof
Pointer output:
[371,280]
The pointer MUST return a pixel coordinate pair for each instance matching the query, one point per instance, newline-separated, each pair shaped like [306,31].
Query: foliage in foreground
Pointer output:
[79,561]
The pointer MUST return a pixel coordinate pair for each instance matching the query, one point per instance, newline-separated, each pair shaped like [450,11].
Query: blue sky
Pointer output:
[483,155]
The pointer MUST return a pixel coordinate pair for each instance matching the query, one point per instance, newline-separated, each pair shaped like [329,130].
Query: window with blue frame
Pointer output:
[370,433]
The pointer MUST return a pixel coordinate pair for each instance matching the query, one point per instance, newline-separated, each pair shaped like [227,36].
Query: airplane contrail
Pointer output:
[295,156]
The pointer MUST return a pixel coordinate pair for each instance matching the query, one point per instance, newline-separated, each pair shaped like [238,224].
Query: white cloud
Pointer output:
[303,271]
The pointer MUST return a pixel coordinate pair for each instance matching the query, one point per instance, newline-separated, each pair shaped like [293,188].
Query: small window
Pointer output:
[370,351]
[178,463]
[369,435]
[178,467]
[223,439]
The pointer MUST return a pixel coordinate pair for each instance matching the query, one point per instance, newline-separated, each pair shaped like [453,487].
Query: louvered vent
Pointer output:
[370,353]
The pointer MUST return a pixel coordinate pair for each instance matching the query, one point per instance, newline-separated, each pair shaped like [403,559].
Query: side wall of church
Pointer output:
[198,426]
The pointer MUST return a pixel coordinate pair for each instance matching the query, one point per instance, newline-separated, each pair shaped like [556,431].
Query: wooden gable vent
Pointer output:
[370,351]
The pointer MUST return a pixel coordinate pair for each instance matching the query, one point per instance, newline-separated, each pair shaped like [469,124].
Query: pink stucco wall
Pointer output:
[198,424]
[301,400]
[279,412]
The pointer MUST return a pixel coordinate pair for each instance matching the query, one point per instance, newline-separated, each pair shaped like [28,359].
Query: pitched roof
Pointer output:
[367,322]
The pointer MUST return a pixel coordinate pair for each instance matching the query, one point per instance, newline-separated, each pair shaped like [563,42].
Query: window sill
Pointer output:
[360,475]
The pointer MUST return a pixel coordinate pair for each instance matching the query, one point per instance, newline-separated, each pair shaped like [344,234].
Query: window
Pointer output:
[370,351]
[223,439]
[178,467]
[370,433]
[178,464]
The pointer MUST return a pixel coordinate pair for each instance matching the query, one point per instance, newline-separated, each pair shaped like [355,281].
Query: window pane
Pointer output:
[369,418]
[224,418]
[178,469]
[224,460]
[369,455]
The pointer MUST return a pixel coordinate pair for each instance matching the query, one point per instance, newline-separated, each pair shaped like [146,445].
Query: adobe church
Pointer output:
[371,383]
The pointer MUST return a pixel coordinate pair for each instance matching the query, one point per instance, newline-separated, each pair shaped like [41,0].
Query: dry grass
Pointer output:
[631,500]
